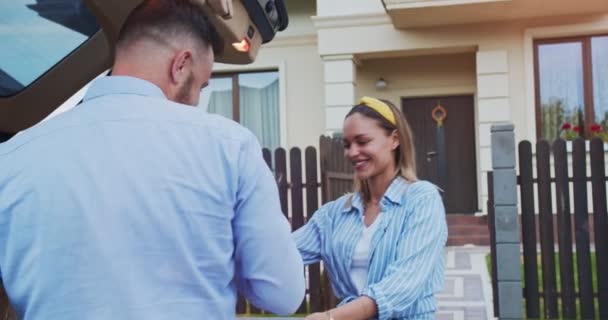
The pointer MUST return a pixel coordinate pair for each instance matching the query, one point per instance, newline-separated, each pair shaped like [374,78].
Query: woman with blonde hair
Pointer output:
[382,245]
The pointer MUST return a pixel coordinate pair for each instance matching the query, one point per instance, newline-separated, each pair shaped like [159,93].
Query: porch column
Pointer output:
[340,90]
[493,107]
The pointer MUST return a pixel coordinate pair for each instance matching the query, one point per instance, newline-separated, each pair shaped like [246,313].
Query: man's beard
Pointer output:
[183,94]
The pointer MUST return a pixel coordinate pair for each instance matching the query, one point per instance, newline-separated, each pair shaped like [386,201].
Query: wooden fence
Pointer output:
[301,181]
[586,297]
[299,188]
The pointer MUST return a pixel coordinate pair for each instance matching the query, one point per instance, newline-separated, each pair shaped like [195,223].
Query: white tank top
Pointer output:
[360,264]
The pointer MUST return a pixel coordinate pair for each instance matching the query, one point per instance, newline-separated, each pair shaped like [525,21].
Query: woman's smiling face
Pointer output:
[368,146]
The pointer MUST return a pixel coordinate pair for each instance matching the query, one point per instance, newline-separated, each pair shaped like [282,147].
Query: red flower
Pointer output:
[566,126]
[596,128]
[576,129]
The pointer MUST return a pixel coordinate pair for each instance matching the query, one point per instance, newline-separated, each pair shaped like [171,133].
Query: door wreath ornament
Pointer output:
[439,114]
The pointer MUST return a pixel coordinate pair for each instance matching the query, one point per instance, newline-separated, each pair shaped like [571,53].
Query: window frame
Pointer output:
[587,65]
[234,76]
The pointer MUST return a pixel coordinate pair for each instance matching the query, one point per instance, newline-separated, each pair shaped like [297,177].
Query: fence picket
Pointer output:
[280,171]
[333,168]
[546,229]
[528,221]
[600,217]
[312,204]
[581,222]
[297,203]
[267,157]
[564,229]
[323,162]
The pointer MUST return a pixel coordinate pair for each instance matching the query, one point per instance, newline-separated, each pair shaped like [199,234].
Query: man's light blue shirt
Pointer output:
[131,206]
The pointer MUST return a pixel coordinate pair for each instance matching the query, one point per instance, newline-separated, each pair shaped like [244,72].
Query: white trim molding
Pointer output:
[328,22]
[342,57]
[292,41]
[440,91]
[413,4]
[340,82]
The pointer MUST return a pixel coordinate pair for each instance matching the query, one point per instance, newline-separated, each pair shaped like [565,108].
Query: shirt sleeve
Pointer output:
[309,237]
[269,269]
[420,249]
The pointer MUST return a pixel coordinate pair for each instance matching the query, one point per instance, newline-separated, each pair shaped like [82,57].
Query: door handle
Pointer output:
[429,155]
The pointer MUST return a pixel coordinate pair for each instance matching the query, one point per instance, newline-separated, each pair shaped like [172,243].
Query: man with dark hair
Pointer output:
[170,36]
[135,205]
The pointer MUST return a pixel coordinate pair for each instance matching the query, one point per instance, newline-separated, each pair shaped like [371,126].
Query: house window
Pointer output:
[571,85]
[251,99]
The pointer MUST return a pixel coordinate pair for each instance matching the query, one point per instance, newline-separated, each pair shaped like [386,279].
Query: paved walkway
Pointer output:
[468,290]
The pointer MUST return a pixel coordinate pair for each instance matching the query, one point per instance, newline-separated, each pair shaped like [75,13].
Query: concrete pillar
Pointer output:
[493,106]
[506,223]
[340,90]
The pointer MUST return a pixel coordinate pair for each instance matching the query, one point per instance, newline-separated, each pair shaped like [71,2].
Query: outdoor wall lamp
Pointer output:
[381,84]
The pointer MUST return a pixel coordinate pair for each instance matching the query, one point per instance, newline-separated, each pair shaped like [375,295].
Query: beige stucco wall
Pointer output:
[300,22]
[348,7]
[417,76]
[294,54]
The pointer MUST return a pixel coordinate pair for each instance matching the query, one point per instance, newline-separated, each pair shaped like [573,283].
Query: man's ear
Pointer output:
[181,65]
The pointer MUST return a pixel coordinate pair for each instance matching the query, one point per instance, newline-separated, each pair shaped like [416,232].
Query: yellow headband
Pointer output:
[380,107]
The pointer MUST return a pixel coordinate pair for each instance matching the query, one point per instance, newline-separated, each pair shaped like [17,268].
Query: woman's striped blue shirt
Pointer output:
[406,263]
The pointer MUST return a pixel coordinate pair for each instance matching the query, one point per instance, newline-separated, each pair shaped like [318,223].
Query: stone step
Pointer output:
[477,240]
[460,229]
[467,219]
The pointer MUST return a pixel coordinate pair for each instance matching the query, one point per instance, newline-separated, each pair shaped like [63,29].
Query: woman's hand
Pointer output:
[361,308]
[317,316]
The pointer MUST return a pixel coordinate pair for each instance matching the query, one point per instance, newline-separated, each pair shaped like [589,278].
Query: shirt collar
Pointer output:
[396,190]
[393,194]
[122,85]
[356,202]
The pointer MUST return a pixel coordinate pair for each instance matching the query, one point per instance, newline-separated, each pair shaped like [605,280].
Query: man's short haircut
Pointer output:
[162,20]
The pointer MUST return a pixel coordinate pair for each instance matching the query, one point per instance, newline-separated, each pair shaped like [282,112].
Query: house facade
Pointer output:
[536,63]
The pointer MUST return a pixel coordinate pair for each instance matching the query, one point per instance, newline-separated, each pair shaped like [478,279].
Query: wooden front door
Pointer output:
[459,178]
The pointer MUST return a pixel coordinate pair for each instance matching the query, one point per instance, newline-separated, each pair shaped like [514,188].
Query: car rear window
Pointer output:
[37,34]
